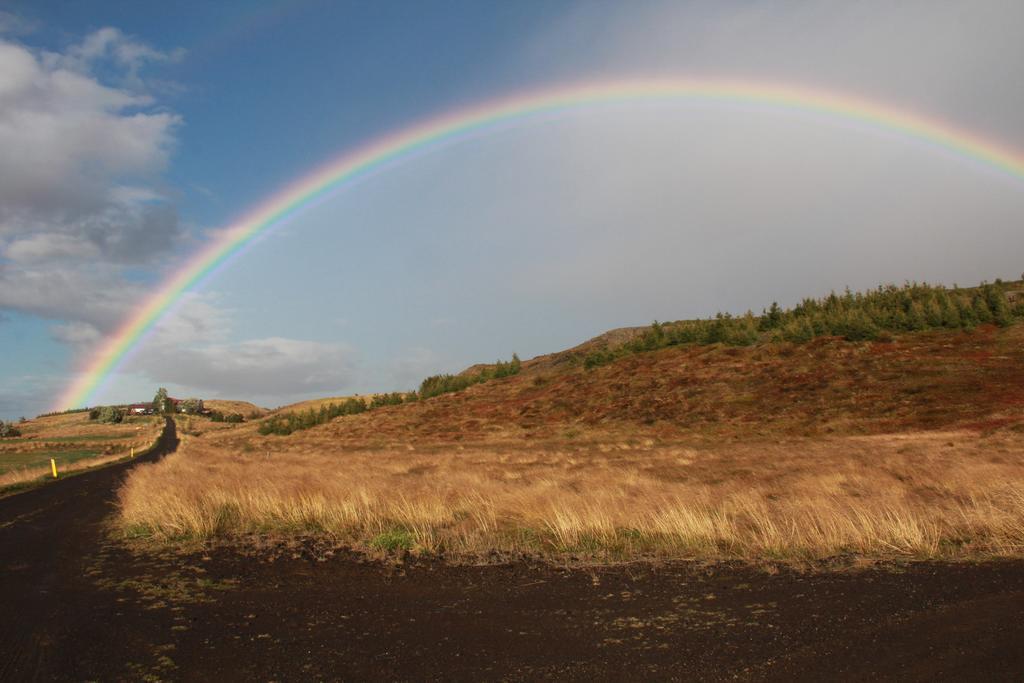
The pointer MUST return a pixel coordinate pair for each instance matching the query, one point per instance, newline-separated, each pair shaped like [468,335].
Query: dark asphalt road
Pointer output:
[48,536]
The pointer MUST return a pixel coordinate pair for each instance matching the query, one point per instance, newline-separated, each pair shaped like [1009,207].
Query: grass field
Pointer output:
[67,439]
[74,441]
[912,447]
[10,461]
[227,407]
[940,494]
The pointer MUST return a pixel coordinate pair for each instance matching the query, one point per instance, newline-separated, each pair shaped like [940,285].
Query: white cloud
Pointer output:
[98,296]
[110,45]
[195,319]
[274,368]
[80,186]
[49,246]
[76,334]
[194,348]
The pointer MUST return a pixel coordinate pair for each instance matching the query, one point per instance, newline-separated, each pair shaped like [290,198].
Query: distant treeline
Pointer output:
[111,414]
[292,422]
[62,412]
[861,316]
[435,385]
[218,416]
[444,384]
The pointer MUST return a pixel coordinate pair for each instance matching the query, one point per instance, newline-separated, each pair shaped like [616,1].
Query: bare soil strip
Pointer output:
[77,606]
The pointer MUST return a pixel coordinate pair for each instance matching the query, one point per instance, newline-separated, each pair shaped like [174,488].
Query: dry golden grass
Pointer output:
[922,495]
[241,407]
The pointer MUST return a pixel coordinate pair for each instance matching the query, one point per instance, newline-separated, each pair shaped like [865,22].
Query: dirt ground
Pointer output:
[80,606]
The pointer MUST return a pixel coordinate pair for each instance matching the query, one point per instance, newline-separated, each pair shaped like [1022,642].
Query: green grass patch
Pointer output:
[15,461]
[69,439]
[392,540]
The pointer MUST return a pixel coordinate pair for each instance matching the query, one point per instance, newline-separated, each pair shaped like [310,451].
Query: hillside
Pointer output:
[931,380]
[880,442]
[315,403]
[227,407]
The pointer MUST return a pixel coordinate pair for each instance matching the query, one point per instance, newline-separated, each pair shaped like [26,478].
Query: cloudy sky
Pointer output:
[131,132]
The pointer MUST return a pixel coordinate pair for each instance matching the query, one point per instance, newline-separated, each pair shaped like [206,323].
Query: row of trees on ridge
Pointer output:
[861,316]
[435,385]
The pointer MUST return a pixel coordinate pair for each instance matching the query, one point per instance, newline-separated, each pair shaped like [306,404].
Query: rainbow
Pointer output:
[469,122]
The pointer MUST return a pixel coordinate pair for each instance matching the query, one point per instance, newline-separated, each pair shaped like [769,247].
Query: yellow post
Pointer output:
[53,466]
[133,451]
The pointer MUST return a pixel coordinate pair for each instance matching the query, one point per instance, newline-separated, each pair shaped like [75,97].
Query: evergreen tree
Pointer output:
[968,319]
[932,314]
[898,320]
[798,330]
[950,314]
[996,300]
[915,317]
[981,310]
[772,319]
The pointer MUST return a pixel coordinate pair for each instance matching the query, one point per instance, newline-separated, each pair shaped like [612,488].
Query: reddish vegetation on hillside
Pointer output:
[933,380]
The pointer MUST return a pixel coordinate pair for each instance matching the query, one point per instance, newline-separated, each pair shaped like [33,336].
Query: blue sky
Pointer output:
[138,129]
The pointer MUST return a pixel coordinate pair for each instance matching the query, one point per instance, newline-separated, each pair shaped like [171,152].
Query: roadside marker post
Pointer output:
[53,467]
[133,451]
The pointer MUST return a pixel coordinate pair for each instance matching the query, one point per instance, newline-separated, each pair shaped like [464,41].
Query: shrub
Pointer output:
[995,299]
[110,414]
[772,318]
[798,331]
[502,369]
[855,326]
[444,384]
[7,429]
[190,406]
[393,540]
[596,358]
[392,399]
[436,385]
